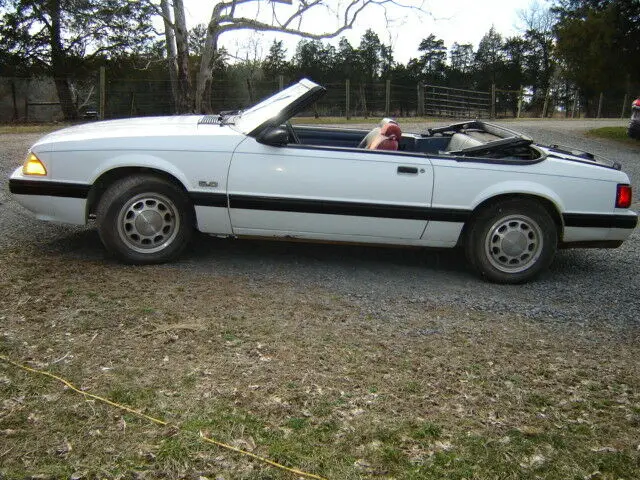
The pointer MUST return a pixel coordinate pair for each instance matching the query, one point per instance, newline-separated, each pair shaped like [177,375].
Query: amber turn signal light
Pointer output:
[33,166]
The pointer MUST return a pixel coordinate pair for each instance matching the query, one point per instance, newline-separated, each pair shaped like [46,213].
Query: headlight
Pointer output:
[33,166]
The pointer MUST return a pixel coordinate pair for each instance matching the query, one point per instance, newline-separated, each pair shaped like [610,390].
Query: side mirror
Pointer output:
[276,137]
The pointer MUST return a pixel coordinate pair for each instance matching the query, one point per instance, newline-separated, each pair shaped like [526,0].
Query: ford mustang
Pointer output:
[149,182]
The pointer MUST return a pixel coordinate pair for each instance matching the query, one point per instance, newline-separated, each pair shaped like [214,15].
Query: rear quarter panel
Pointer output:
[572,187]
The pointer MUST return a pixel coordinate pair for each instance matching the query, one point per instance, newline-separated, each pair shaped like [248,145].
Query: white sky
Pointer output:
[462,21]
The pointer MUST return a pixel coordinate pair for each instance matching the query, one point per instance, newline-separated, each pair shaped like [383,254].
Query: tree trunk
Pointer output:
[207,62]
[14,118]
[185,99]
[172,54]
[60,74]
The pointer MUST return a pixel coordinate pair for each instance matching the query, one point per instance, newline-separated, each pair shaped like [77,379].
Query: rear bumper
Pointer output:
[597,231]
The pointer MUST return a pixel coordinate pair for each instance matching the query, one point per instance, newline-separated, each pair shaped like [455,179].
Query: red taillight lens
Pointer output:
[623,196]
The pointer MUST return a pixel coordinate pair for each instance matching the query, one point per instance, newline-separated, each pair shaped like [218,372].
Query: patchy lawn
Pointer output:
[32,128]
[618,134]
[304,377]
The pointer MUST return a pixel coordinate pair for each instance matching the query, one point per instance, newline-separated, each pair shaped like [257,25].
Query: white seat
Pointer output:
[460,141]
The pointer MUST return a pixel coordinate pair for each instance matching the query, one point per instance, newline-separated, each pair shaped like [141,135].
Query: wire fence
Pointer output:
[456,102]
[36,99]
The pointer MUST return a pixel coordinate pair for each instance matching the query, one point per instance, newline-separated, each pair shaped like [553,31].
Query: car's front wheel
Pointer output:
[512,241]
[144,219]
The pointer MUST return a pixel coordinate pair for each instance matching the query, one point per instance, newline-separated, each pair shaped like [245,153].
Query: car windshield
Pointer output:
[271,108]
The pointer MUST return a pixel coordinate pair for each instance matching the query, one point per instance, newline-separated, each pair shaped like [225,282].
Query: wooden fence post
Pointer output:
[520,95]
[600,105]
[575,104]
[420,109]
[387,102]
[347,98]
[624,104]
[280,82]
[493,100]
[103,91]
[545,106]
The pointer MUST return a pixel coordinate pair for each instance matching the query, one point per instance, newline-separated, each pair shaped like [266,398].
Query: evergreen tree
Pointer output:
[434,56]
[276,62]
[60,38]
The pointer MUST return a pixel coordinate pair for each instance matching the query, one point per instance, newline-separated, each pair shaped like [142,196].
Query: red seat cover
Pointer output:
[388,138]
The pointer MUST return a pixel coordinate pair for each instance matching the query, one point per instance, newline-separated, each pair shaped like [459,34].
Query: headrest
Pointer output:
[386,120]
[391,129]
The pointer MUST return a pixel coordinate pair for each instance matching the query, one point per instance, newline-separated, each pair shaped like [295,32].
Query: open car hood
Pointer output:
[279,107]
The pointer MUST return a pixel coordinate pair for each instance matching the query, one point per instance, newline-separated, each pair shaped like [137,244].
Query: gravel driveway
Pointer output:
[582,286]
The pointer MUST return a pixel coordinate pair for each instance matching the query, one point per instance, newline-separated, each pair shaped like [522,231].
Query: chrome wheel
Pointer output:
[514,243]
[148,222]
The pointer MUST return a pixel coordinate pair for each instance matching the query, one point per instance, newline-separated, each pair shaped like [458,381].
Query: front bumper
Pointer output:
[50,201]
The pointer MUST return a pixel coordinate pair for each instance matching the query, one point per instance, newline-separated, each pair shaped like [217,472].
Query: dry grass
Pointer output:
[618,134]
[302,376]
[32,128]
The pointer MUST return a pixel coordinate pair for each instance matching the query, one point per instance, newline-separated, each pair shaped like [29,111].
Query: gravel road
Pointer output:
[581,287]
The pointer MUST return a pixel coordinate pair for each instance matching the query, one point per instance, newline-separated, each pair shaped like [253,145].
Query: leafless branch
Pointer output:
[228,23]
[113,46]
[226,17]
[159,11]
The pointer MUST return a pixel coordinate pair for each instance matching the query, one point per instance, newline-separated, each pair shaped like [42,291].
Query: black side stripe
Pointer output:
[204,199]
[588,220]
[356,209]
[45,187]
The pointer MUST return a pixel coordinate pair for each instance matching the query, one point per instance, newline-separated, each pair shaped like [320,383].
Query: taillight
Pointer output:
[623,196]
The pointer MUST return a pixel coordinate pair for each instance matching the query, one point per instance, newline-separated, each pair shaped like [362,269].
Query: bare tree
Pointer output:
[177,42]
[295,17]
[172,51]
[537,16]
[537,23]
[184,102]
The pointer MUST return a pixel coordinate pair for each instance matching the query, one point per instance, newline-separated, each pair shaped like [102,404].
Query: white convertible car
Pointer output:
[148,182]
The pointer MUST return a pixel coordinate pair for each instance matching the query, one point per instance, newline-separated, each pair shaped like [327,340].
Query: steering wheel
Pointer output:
[293,136]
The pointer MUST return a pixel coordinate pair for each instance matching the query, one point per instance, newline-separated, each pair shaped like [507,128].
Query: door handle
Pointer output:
[408,170]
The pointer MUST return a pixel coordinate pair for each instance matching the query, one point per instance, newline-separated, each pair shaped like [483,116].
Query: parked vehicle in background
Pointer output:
[634,124]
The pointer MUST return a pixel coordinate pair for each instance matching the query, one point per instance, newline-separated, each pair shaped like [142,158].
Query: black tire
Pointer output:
[512,241]
[634,130]
[144,219]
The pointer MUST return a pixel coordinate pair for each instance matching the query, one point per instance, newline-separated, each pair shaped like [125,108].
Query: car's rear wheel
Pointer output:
[512,241]
[144,219]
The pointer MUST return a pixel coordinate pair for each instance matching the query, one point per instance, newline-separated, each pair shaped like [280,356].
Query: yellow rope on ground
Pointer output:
[160,422]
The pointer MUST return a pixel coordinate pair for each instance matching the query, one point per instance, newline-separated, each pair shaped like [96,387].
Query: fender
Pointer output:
[519,188]
[142,160]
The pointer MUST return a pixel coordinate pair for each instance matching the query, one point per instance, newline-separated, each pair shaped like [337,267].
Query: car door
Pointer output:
[328,193]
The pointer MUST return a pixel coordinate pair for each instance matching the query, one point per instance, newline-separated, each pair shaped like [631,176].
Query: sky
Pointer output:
[461,21]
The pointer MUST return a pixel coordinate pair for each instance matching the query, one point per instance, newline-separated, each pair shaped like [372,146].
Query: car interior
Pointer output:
[473,139]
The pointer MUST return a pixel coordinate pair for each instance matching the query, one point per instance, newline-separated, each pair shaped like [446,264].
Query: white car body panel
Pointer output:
[299,174]
[480,182]
[54,209]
